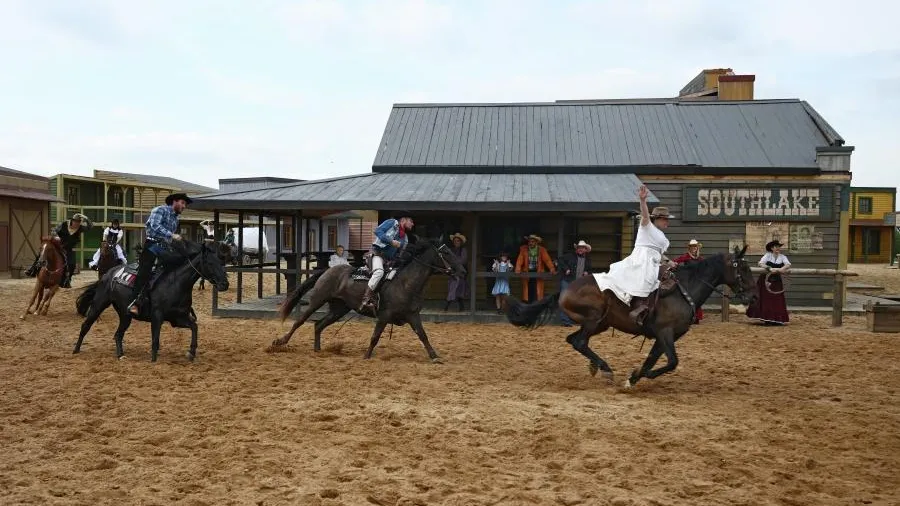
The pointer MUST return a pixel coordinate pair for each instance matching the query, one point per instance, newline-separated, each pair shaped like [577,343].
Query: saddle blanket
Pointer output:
[126,274]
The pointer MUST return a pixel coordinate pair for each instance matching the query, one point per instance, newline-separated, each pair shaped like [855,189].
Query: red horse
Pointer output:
[46,283]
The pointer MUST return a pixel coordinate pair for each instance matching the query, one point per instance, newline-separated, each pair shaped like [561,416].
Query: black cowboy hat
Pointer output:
[403,213]
[178,196]
[772,244]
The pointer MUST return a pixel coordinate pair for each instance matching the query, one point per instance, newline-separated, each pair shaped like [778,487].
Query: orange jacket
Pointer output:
[522,266]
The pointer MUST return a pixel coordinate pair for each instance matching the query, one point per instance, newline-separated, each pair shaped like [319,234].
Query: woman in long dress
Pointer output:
[635,276]
[458,287]
[771,308]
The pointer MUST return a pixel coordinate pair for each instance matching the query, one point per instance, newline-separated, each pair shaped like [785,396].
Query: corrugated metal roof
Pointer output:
[649,133]
[163,181]
[6,171]
[457,192]
[29,194]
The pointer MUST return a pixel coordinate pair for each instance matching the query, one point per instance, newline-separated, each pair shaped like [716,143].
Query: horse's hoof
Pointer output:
[437,360]
[22,317]
[608,376]
[592,368]
[122,357]
[628,384]
[190,356]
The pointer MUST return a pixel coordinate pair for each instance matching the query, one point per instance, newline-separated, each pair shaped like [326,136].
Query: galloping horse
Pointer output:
[169,299]
[400,299]
[108,258]
[597,310]
[53,265]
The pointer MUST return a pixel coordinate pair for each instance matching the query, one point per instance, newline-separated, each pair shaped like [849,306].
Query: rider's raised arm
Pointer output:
[645,213]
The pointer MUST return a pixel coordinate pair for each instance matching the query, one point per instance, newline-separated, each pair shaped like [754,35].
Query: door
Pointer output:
[4,251]
[25,236]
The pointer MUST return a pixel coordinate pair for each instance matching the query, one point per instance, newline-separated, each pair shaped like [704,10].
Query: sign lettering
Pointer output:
[746,203]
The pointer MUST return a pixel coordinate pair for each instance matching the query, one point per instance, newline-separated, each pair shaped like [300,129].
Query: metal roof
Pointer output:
[29,194]
[452,192]
[613,134]
[6,171]
[151,180]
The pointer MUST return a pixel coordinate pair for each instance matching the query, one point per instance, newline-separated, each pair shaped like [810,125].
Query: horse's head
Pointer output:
[224,251]
[738,276]
[435,254]
[212,263]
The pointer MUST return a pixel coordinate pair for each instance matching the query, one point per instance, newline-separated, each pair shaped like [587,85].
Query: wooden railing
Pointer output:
[837,299]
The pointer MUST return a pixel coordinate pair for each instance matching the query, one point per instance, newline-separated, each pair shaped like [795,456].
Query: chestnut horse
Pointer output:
[53,266]
[597,310]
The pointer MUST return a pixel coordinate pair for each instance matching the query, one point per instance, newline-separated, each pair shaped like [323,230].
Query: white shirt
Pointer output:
[649,236]
[338,260]
[119,234]
[771,257]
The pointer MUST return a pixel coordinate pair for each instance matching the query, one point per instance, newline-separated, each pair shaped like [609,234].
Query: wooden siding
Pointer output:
[803,291]
[857,245]
[882,203]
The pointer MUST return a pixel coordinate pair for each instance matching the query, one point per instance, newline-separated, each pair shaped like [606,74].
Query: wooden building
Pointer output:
[732,171]
[24,210]
[872,224]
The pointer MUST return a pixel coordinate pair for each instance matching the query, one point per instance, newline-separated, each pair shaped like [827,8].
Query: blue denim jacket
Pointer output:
[388,231]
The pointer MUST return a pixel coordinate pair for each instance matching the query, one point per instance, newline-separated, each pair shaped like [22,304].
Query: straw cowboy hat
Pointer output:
[695,242]
[535,237]
[661,212]
[582,244]
[178,196]
[460,236]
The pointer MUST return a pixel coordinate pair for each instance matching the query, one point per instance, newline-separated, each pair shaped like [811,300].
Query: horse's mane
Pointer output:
[700,266]
[415,247]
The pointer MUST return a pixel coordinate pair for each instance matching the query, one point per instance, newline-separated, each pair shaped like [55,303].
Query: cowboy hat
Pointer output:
[772,244]
[461,237]
[582,244]
[695,242]
[178,196]
[535,237]
[403,213]
[661,212]
[78,216]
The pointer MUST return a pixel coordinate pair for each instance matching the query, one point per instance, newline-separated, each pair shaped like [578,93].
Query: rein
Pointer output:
[737,276]
[446,269]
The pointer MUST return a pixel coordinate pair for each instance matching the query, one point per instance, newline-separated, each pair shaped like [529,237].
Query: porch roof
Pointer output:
[447,192]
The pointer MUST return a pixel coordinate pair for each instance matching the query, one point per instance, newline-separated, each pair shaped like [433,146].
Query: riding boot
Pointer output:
[640,310]
[459,302]
[368,301]
[35,267]
[66,281]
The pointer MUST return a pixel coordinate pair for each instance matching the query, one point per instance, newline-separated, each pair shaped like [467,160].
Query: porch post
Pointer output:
[262,258]
[473,266]
[321,246]
[215,293]
[278,254]
[240,241]
[296,219]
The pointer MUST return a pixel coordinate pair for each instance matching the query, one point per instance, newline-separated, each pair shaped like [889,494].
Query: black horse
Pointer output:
[597,310]
[169,300]
[400,299]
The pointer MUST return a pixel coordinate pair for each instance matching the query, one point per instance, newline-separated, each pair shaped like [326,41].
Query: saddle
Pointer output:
[126,274]
[668,284]
[364,273]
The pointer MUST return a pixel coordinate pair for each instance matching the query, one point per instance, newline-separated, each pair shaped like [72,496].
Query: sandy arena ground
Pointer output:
[803,414]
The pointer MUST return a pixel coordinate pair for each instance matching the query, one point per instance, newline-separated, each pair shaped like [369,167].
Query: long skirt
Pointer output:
[634,276]
[769,307]
[457,289]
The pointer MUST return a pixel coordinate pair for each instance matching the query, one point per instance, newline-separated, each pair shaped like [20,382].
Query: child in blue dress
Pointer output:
[501,285]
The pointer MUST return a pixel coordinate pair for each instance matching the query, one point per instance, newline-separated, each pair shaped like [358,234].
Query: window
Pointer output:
[332,237]
[73,195]
[864,205]
[871,241]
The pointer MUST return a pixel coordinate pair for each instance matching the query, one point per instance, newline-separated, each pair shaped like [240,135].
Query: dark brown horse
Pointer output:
[53,265]
[400,299]
[108,258]
[597,311]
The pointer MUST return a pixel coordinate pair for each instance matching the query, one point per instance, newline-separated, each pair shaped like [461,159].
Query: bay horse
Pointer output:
[597,311]
[170,297]
[52,260]
[108,258]
[400,299]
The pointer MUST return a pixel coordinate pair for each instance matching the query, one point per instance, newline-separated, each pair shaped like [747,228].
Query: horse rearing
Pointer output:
[169,300]
[46,283]
[400,299]
[597,311]
[108,258]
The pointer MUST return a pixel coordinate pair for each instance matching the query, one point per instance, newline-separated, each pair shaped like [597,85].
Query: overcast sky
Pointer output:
[203,89]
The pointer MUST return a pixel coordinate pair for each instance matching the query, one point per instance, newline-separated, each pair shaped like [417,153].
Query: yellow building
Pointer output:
[871,228]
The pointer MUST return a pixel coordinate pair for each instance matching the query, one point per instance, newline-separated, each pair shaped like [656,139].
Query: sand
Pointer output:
[802,414]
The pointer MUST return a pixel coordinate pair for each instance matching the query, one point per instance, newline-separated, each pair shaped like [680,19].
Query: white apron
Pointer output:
[637,274]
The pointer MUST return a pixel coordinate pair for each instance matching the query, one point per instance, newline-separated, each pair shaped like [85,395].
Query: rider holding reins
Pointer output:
[390,239]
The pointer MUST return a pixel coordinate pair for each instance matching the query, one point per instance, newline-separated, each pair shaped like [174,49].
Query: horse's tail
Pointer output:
[84,300]
[531,315]
[291,301]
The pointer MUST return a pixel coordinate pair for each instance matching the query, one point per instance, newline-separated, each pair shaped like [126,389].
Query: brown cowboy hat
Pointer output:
[772,244]
[661,212]
[460,236]
[178,196]
[535,237]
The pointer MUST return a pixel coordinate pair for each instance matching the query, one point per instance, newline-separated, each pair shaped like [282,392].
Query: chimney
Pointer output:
[705,83]
[736,87]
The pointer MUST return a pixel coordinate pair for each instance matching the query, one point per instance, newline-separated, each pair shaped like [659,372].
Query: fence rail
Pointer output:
[837,298]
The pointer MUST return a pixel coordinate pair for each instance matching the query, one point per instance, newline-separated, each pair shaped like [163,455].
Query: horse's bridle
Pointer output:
[440,250]
[202,256]
[739,280]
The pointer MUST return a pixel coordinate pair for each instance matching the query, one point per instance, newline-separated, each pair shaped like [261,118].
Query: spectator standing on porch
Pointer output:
[458,287]
[533,258]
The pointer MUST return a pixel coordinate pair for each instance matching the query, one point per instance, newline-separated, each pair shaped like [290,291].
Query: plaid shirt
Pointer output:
[162,223]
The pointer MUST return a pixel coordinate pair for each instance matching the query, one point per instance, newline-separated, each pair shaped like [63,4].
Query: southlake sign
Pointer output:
[751,203]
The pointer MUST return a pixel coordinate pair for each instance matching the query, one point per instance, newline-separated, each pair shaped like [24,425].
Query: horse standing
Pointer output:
[169,300]
[53,265]
[399,299]
[597,310]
